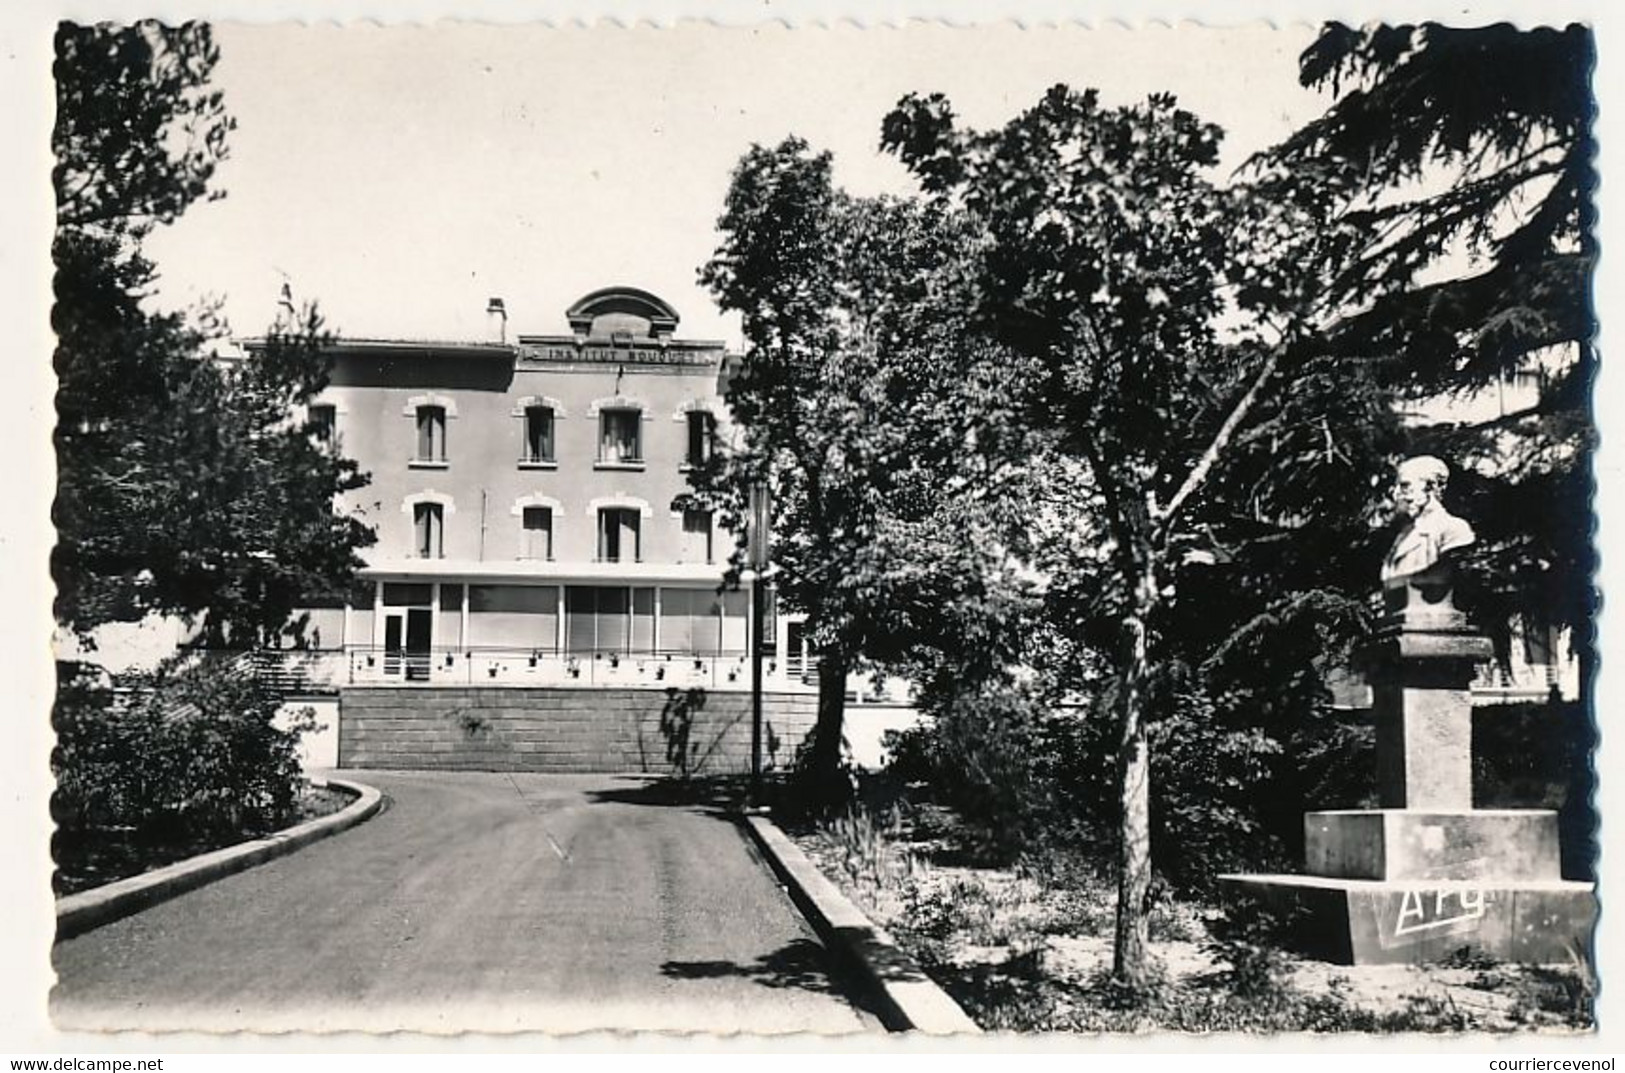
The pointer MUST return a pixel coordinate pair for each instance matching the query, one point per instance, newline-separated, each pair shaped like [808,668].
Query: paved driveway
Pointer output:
[482,902]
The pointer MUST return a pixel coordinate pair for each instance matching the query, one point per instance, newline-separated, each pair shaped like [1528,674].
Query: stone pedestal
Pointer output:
[1427,874]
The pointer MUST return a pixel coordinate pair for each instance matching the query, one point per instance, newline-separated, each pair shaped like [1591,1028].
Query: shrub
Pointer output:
[1035,778]
[1248,938]
[981,752]
[1542,756]
[960,910]
[193,751]
[1209,782]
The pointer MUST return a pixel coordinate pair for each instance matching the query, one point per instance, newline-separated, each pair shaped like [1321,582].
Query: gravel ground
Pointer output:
[1021,954]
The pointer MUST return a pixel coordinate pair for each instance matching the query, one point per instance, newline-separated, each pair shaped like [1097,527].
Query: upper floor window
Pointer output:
[538,434]
[536,540]
[429,527]
[697,530]
[702,432]
[431,434]
[323,420]
[620,534]
[620,436]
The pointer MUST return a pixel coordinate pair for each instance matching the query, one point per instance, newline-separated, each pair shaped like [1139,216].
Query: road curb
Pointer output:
[909,1000]
[79,913]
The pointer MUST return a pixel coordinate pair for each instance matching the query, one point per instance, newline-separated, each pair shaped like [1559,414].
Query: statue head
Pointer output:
[1432,531]
[1419,481]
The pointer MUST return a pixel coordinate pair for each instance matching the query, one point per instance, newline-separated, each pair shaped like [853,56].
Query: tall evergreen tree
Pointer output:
[187,485]
[1464,157]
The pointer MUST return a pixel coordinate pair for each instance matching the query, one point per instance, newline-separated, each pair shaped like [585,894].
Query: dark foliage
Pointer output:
[1542,755]
[1034,779]
[877,424]
[190,752]
[1210,509]
[1470,150]
[183,487]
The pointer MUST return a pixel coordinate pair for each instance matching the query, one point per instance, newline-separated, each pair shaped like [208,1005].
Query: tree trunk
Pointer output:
[1134,785]
[825,783]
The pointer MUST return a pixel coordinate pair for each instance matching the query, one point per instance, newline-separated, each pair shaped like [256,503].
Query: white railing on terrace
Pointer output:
[319,671]
[496,665]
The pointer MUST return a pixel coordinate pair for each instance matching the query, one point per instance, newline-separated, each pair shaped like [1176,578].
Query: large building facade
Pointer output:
[528,501]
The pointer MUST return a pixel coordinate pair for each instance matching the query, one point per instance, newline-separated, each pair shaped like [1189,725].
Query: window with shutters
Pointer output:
[536,539]
[697,539]
[620,441]
[323,421]
[431,422]
[429,523]
[691,621]
[538,447]
[619,535]
[702,431]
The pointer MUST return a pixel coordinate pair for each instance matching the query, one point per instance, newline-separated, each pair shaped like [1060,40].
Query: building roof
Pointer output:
[620,324]
[464,347]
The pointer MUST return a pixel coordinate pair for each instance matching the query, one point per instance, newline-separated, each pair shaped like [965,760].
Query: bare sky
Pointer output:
[401,176]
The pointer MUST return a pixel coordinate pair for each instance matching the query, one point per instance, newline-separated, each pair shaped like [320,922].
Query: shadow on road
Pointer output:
[716,793]
[802,964]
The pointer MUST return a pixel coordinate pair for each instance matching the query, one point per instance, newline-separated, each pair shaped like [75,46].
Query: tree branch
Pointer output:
[1222,438]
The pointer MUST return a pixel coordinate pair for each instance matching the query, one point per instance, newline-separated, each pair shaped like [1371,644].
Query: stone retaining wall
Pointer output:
[660,731]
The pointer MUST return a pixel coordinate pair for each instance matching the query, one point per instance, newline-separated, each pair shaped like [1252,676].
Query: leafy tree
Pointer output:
[1172,328]
[185,484]
[1463,157]
[860,406]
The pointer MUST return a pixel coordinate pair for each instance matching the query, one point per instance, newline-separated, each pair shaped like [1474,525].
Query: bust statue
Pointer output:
[1417,577]
[1430,530]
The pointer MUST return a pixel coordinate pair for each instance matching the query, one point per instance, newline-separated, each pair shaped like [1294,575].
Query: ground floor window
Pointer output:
[514,616]
[703,621]
[608,619]
[583,620]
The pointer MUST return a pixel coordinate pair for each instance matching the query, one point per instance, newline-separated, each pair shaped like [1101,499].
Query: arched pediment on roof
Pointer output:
[612,310]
